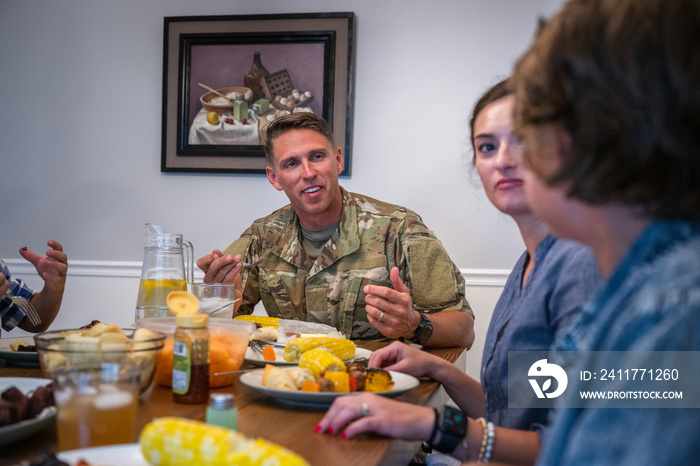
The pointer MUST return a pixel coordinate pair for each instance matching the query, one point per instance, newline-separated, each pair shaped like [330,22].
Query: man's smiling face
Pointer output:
[306,168]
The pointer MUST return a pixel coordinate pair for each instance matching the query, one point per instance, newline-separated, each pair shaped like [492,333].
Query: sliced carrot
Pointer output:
[310,387]
[268,353]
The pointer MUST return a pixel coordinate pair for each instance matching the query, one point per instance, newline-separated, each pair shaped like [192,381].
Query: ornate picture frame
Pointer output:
[256,67]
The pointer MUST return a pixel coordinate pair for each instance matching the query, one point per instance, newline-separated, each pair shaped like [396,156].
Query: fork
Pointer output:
[26,306]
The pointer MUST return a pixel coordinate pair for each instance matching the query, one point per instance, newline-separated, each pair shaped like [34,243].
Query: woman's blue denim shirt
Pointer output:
[529,318]
[651,302]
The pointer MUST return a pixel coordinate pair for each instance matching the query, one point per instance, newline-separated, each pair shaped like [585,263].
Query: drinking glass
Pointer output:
[215,299]
[96,405]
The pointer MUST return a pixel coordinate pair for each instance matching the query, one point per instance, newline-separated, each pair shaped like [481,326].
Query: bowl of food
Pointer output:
[228,341]
[102,343]
[213,102]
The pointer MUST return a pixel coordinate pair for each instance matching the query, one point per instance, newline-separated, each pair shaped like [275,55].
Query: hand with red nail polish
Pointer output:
[369,413]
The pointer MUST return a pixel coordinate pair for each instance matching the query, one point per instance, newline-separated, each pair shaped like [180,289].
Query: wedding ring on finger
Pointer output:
[381,316]
[364,409]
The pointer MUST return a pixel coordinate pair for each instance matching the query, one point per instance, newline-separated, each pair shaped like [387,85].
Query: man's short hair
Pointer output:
[622,77]
[301,120]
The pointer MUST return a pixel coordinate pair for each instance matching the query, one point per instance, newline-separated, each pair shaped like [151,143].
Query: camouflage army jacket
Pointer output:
[373,237]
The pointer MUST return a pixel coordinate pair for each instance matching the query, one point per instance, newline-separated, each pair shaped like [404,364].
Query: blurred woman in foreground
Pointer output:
[608,105]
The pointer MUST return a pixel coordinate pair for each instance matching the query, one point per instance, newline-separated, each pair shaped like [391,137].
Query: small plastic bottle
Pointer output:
[191,359]
[222,411]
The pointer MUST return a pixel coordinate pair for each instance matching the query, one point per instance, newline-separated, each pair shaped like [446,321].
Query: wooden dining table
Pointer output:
[261,416]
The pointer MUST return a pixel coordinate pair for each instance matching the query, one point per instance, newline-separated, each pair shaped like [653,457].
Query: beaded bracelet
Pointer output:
[489,442]
[484,440]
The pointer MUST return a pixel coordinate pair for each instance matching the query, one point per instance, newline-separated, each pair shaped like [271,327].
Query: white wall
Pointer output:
[80,129]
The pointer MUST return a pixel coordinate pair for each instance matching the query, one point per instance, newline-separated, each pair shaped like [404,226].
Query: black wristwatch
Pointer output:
[424,330]
[452,424]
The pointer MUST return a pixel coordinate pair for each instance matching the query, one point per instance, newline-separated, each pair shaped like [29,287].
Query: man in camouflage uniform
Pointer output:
[368,268]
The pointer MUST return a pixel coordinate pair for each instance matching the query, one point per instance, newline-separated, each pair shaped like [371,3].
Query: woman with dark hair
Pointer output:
[607,100]
[547,287]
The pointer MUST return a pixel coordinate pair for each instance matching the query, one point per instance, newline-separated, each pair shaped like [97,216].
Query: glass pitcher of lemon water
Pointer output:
[168,265]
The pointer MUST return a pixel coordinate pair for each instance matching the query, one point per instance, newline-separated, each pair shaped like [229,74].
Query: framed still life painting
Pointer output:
[225,78]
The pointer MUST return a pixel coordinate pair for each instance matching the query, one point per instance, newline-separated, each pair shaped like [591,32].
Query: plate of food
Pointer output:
[26,407]
[255,357]
[19,351]
[127,453]
[399,383]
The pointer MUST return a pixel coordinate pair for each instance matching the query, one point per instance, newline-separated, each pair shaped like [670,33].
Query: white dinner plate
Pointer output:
[110,455]
[253,379]
[255,358]
[14,432]
[19,358]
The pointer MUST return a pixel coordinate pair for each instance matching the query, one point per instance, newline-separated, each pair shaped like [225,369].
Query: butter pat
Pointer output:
[313,335]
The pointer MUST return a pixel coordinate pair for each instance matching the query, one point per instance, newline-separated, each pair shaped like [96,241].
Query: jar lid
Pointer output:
[182,303]
[185,306]
[221,400]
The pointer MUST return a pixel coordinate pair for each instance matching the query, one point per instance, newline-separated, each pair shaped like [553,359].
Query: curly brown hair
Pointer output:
[302,120]
[622,78]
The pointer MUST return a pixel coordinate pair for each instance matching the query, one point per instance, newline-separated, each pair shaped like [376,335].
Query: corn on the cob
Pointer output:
[174,441]
[318,361]
[263,321]
[340,347]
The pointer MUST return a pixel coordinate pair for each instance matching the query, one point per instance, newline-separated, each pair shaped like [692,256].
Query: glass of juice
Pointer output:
[96,405]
